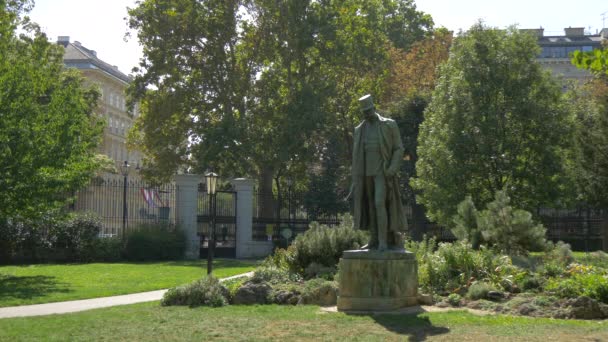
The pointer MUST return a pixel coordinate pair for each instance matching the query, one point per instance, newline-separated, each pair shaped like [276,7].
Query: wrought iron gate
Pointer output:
[225,223]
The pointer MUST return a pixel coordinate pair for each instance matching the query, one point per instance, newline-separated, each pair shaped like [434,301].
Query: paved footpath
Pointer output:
[88,304]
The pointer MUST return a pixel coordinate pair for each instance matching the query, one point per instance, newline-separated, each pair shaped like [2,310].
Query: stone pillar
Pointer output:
[187,205]
[245,246]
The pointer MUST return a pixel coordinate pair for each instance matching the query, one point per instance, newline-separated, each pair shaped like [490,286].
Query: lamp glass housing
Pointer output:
[211,178]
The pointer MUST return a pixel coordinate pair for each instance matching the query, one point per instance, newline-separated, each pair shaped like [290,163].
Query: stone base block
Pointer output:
[375,281]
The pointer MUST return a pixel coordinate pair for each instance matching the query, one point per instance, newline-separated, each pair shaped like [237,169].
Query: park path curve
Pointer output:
[89,304]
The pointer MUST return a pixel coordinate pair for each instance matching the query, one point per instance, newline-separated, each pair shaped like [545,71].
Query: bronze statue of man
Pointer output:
[377,155]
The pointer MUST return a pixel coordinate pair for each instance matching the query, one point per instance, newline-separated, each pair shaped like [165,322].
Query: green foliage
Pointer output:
[454,299]
[454,266]
[204,292]
[465,223]
[324,245]
[510,230]
[155,242]
[595,61]
[273,275]
[233,285]
[48,133]
[591,285]
[315,58]
[106,249]
[77,236]
[492,113]
[479,290]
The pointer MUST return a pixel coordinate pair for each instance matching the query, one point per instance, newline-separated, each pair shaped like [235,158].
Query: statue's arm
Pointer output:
[397,150]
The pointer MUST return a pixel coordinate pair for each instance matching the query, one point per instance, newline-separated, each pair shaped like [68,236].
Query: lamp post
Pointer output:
[211,179]
[124,168]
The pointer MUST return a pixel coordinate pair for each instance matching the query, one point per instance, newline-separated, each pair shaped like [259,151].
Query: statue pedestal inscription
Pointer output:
[372,280]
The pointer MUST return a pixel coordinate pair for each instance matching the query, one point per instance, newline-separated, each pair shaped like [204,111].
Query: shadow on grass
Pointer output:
[416,327]
[28,287]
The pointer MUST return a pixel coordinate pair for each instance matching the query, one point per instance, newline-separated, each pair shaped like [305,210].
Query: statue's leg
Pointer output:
[373,225]
[381,214]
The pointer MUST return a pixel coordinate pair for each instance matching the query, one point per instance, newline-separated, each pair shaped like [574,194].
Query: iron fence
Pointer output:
[273,212]
[123,207]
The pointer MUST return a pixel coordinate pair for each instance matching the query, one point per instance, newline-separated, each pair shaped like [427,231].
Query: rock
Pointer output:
[604,309]
[526,309]
[442,305]
[425,299]
[284,297]
[495,295]
[584,308]
[251,293]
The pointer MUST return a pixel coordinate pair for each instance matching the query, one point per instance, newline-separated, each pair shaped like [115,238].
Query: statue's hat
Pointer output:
[366,102]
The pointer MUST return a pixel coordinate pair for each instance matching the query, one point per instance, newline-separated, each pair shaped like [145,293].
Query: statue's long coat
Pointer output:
[391,149]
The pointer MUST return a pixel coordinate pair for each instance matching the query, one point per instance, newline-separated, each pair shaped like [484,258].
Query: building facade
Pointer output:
[112,105]
[556,50]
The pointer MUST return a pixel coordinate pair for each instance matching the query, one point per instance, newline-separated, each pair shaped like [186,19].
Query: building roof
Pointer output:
[79,57]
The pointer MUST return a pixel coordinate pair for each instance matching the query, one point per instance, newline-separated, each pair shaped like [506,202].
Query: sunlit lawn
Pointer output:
[33,284]
[151,322]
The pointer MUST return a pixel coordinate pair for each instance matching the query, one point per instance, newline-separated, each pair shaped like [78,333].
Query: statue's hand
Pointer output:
[391,172]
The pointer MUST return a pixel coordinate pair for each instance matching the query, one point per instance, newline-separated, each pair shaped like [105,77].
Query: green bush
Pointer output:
[106,249]
[508,229]
[155,242]
[74,238]
[591,285]
[465,223]
[233,285]
[479,290]
[204,292]
[454,299]
[324,245]
[453,266]
[273,275]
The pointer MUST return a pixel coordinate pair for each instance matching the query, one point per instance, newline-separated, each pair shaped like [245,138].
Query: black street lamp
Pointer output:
[124,168]
[211,179]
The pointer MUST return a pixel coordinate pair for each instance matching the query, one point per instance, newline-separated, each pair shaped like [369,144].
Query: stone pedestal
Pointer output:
[374,281]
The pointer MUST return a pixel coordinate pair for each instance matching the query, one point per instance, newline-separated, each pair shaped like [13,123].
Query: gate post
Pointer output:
[245,247]
[187,205]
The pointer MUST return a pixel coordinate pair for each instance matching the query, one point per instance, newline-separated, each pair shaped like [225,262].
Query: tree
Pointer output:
[47,131]
[465,223]
[588,160]
[496,121]
[256,86]
[595,61]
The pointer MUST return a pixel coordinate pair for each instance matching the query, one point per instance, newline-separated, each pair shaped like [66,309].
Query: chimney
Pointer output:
[604,33]
[539,32]
[93,52]
[574,31]
[63,40]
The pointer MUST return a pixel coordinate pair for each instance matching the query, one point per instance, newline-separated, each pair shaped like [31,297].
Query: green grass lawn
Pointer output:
[34,284]
[149,321]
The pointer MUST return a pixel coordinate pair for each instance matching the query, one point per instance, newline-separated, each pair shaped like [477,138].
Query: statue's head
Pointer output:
[366,104]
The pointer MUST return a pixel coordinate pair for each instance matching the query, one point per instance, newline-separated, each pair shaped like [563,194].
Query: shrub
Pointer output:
[315,270]
[233,285]
[510,230]
[273,275]
[75,237]
[204,292]
[454,266]
[479,290]
[529,282]
[591,285]
[107,249]
[324,245]
[465,223]
[454,299]
[155,242]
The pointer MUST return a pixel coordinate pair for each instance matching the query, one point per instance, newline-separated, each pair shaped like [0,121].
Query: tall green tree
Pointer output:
[496,121]
[48,132]
[256,86]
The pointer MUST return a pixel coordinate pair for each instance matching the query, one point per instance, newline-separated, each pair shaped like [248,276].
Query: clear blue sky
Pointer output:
[99,24]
